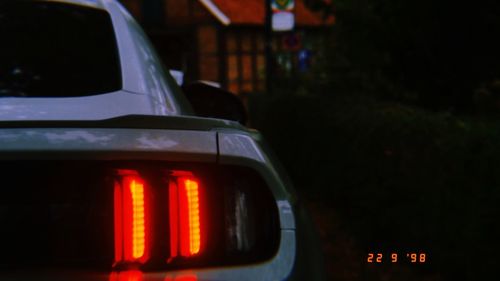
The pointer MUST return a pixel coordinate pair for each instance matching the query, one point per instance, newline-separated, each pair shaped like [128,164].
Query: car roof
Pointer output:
[147,88]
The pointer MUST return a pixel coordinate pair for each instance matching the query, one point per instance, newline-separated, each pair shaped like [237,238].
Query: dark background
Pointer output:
[392,137]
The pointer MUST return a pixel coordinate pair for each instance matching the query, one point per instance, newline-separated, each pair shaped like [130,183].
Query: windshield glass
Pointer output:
[50,49]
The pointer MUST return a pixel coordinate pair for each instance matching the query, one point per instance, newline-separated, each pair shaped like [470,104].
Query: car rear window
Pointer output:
[53,49]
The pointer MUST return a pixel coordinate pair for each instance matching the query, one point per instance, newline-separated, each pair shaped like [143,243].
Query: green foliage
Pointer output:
[401,178]
[432,53]
[373,130]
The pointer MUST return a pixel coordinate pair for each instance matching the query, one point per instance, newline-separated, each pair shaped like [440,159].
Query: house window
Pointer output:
[245,61]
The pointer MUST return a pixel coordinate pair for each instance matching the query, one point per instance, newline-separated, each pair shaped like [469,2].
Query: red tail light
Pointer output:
[136,215]
[184,208]
[131,218]
[179,218]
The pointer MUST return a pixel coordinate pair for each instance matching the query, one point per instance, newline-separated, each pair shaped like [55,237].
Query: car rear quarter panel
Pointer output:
[217,146]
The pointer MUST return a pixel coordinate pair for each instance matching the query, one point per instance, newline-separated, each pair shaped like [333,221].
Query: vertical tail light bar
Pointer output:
[192,210]
[131,218]
[171,207]
[184,214]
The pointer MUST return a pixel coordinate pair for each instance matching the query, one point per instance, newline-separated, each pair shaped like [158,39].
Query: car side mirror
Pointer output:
[210,101]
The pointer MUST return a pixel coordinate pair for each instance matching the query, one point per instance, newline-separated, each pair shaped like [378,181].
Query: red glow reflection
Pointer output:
[185,228]
[132,275]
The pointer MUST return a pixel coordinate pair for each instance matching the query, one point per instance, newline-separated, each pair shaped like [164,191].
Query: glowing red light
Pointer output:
[138,220]
[130,219]
[185,228]
[193,213]
[131,275]
[174,218]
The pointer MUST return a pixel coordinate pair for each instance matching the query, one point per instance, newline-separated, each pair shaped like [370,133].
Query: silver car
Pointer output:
[108,174]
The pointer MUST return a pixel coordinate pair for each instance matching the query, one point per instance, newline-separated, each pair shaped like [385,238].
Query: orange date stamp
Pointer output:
[417,258]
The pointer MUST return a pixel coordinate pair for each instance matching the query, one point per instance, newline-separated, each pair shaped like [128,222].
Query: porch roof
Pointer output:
[252,12]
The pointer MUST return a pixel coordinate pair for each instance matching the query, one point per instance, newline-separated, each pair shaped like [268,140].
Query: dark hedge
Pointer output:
[400,178]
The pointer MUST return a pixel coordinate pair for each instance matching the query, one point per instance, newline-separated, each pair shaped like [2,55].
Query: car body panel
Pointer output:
[96,107]
[157,144]
[236,147]
[278,268]
[171,145]
[247,148]
[142,71]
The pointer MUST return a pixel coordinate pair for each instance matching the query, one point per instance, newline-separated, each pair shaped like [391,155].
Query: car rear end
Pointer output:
[105,176]
[111,200]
